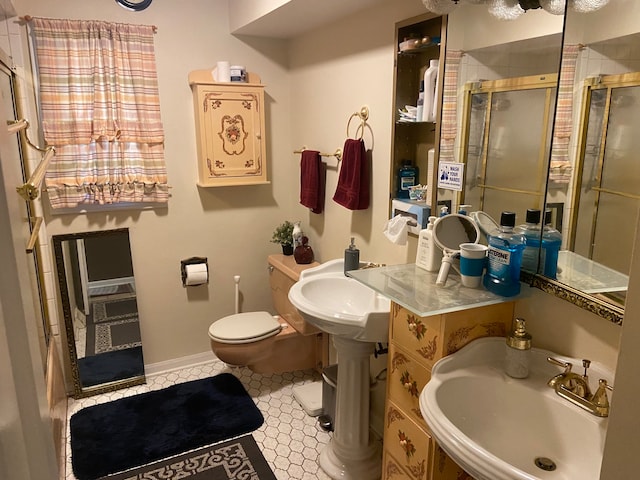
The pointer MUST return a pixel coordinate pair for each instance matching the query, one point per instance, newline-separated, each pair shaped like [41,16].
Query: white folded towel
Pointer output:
[397,229]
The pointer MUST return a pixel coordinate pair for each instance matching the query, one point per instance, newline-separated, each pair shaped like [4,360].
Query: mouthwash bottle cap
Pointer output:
[508,219]
[533,216]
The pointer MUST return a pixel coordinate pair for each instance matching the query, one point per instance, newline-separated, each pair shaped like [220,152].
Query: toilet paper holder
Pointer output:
[193,261]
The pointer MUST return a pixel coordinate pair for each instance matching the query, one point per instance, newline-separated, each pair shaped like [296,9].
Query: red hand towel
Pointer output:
[311,184]
[353,189]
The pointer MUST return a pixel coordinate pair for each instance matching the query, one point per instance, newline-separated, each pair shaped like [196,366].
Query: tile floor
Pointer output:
[290,439]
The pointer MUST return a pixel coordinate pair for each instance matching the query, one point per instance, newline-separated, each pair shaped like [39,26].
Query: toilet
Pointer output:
[271,344]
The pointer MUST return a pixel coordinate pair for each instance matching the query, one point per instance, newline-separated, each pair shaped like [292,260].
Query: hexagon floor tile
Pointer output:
[290,439]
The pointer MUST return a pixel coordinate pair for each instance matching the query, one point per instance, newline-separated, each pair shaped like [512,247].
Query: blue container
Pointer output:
[504,258]
[408,176]
[551,243]
[531,231]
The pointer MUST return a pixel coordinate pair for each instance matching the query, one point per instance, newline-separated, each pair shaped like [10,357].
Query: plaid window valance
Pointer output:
[100,108]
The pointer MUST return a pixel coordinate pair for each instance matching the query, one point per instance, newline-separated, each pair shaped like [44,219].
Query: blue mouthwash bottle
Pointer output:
[407,177]
[531,231]
[505,258]
[551,243]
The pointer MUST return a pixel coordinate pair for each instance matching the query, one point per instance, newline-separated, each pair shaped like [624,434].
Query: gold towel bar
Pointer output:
[337,153]
[34,234]
[31,189]
[14,126]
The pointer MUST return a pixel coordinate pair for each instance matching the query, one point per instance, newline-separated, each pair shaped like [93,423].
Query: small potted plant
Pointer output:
[283,234]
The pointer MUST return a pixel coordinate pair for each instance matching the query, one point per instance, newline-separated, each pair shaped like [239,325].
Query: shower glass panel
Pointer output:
[608,199]
[506,144]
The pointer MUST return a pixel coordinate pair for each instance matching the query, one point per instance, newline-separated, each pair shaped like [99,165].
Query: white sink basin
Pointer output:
[495,426]
[340,305]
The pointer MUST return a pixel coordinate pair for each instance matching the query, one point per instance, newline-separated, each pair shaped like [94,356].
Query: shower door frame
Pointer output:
[549,83]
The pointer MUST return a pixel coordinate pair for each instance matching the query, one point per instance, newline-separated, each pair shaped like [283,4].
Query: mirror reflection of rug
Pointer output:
[113,325]
[111,366]
[236,459]
[110,310]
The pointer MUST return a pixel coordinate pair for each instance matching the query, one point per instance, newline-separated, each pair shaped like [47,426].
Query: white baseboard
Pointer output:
[178,363]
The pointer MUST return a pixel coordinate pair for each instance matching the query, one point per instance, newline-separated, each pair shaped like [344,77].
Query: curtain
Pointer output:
[449,105]
[560,168]
[100,109]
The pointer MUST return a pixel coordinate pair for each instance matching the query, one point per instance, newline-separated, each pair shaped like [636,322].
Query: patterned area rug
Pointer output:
[113,325]
[238,459]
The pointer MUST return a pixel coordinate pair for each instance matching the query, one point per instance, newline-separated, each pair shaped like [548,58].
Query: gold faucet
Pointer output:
[575,388]
[372,265]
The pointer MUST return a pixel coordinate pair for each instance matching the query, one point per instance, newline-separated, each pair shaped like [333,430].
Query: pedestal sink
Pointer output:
[500,428]
[357,317]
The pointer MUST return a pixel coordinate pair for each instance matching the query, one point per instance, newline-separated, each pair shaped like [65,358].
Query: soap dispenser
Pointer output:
[518,351]
[428,255]
[351,257]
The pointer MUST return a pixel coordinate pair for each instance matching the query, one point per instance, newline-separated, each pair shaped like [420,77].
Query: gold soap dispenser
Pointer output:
[518,351]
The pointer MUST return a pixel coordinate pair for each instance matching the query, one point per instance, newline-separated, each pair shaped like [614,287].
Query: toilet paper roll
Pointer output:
[197,274]
[222,72]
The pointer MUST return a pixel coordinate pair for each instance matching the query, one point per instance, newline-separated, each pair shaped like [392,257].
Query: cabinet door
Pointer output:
[231,146]
[406,380]
[406,442]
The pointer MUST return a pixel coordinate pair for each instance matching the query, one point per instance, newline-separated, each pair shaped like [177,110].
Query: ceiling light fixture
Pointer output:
[135,5]
[512,9]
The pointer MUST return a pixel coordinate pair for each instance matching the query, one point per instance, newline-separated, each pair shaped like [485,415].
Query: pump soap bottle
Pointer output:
[518,351]
[351,257]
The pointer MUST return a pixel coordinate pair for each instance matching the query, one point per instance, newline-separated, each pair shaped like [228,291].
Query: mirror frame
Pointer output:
[608,311]
[78,390]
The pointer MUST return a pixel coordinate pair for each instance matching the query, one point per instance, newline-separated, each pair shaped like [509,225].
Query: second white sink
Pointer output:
[500,428]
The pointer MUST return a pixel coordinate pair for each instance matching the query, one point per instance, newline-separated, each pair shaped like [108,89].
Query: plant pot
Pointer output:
[287,249]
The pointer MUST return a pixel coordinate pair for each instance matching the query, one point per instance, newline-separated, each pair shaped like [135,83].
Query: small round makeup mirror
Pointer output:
[485,222]
[448,233]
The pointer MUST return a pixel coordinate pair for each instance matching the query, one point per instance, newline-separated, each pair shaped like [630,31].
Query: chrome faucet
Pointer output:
[575,388]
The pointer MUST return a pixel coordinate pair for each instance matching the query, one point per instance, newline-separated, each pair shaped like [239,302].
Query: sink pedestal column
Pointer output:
[351,454]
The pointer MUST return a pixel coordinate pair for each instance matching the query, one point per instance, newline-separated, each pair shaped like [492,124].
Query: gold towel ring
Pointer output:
[363,115]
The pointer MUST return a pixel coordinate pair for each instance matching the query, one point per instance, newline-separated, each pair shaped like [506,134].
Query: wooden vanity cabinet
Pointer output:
[415,344]
[230,130]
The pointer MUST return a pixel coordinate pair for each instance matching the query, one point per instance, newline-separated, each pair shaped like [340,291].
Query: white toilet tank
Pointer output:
[283,273]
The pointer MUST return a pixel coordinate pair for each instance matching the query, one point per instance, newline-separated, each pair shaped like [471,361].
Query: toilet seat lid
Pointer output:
[244,327]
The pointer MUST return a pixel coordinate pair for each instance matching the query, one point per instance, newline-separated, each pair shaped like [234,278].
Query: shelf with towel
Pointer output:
[337,153]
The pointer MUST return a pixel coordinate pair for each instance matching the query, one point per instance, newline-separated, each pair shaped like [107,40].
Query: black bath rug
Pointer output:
[141,429]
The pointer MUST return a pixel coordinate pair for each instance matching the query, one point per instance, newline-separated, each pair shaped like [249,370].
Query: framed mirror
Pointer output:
[597,202]
[98,294]
[505,98]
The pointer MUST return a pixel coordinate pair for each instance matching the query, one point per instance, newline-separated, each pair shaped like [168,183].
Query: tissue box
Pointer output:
[419,211]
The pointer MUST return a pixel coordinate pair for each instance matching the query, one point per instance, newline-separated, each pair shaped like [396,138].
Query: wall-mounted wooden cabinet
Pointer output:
[230,130]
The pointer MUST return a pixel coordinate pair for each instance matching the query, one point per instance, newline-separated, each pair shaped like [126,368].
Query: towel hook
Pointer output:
[363,115]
